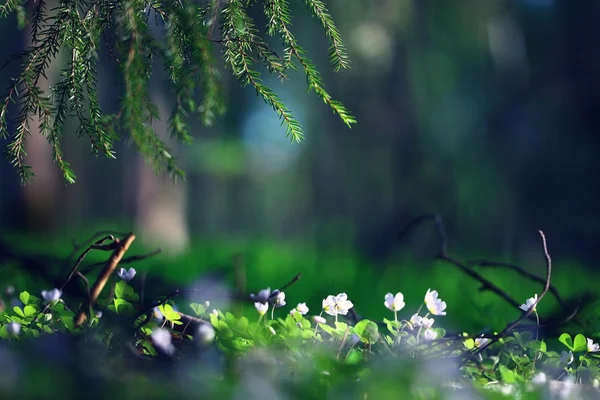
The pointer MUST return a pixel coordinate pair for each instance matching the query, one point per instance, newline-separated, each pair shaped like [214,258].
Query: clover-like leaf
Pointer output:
[29,311]
[580,343]
[367,331]
[198,309]
[24,297]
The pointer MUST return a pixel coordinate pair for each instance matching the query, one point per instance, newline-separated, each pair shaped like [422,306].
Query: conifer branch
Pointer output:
[75,27]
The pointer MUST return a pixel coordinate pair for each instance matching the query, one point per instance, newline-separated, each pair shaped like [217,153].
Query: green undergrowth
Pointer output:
[211,339]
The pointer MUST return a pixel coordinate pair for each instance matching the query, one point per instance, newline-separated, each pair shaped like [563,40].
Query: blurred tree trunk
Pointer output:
[160,205]
[40,198]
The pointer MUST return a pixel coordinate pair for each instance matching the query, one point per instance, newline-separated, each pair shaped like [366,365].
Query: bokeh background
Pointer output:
[485,112]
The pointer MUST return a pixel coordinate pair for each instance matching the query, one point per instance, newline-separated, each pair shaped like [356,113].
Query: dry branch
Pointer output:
[121,247]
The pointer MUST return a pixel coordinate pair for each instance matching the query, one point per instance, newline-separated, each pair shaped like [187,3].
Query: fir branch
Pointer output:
[279,18]
[138,109]
[337,51]
[236,24]
[76,26]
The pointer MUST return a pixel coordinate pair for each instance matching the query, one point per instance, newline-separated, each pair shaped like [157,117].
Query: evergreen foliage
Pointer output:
[79,28]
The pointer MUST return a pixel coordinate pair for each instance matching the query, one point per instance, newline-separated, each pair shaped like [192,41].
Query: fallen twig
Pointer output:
[120,247]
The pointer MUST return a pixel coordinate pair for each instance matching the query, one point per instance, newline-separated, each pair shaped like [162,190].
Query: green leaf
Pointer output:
[354,357]
[367,331]
[580,343]
[123,307]
[508,375]
[29,311]
[170,314]
[24,297]
[4,333]
[120,289]
[198,309]
[124,291]
[68,322]
[18,311]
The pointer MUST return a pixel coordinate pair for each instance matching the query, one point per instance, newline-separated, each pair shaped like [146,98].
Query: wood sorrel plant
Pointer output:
[302,343]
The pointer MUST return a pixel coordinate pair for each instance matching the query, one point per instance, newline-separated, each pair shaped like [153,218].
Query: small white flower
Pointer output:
[342,304]
[278,299]
[394,303]
[480,342]
[99,314]
[530,302]
[215,312]
[319,320]
[566,357]
[51,296]
[261,307]
[435,305]
[162,341]
[431,296]
[427,322]
[206,304]
[329,305]
[262,297]
[206,333]
[126,275]
[13,328]
[592,347]
[293,311]
[415,321]
[539,379]
[429,335]
[302,308]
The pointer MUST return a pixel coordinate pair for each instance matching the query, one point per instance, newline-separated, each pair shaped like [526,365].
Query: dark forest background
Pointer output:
[485,112]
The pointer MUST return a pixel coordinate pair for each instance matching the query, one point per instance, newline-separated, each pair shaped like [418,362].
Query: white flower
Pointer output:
[429,334]
[431,296]
[342,304]
[51,296]
[302,308]
[427,322]
[592,347]
[262,297]
[394,303]
[13,328]
[162,341]
[415,321]
[261,307]
[319,320]
[435,305]
[329,305]
[530,302]
[539,379]
[99,314]
[215,312]
[277,299]
[206,333]
[480,342]
[126,275]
